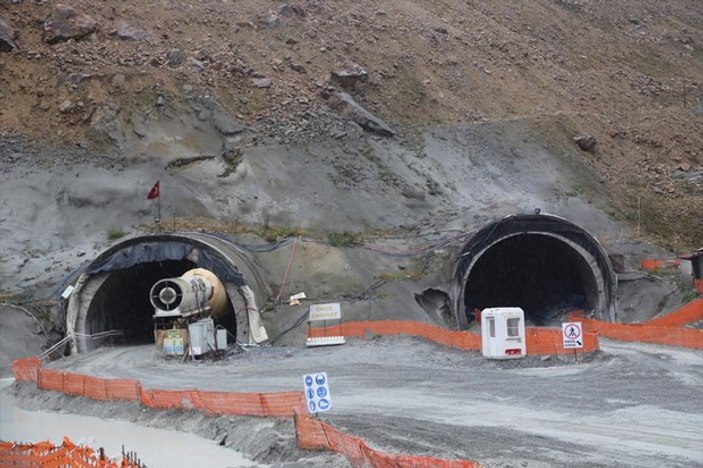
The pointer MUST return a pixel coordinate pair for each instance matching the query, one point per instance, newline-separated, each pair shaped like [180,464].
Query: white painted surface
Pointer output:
[155,447]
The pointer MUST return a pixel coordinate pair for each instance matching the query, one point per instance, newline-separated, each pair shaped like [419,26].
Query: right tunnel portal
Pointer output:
[543,264]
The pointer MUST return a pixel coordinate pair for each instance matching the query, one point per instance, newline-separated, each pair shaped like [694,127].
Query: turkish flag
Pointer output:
[154,192]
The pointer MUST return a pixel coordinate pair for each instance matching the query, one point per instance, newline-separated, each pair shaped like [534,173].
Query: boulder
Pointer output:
[66,23]
[351,110]
[291,11]
[349,76]
[7,37]
[174,57]
[262,82]
[586,142]
[128,32]
[225,125]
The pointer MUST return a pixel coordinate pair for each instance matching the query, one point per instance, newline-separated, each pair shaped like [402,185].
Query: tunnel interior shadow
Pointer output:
[541,274]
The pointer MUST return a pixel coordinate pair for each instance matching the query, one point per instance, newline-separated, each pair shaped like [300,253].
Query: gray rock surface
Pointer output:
[349,109]
[127,32]
[7,37]
[66,23]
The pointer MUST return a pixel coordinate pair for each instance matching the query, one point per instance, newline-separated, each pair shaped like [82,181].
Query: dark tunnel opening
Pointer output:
[543,275]
[122,302]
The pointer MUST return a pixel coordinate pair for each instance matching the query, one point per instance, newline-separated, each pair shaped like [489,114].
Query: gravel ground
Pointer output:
[629,405]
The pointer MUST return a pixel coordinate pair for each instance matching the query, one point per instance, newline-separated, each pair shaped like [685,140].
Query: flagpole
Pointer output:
[158,211]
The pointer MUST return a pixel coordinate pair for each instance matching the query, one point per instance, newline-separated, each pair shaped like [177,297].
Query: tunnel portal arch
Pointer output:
[542,263]
[112,291]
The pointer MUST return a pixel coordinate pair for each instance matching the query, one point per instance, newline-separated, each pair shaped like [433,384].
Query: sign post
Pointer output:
[317,392]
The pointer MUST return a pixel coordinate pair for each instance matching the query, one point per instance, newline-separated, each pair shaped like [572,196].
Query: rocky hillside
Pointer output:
[627,75]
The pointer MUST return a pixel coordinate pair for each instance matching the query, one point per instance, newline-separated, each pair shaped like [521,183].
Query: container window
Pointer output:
[492,327]
[513,327]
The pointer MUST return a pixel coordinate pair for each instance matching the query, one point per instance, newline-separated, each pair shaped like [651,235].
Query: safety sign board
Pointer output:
[572,334]
[332,311]
[317,392]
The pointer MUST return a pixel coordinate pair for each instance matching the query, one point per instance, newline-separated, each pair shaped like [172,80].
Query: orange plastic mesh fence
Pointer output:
[48,455]
[281,404]
[167,399]
[691,312]
[543,341]
[74,384]
[651,264]
[50,379]
[123,389]
[540,341]
[25,369]
[672,336]
[662,330]
[313,434]
[95,388]
[453,338]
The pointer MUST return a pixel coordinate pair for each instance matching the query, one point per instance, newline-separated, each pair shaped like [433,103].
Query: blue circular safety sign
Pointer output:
[308,381]
[313,406]
[321,391]
[324,404]
[320,379]
[311,394]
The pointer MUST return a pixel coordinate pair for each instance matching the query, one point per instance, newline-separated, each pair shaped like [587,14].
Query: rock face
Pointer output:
[7,37]
[350,76]
[66,23]
[351,110]
[128,32]
[586,143]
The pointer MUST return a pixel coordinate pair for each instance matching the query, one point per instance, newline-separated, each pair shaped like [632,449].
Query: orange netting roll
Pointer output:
[46,454]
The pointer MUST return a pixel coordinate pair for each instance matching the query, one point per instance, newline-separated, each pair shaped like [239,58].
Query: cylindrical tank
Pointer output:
[218,297]
[197,290]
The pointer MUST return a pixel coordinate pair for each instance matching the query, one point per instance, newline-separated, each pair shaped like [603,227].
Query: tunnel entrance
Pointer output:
[113,291]
[122,302]
[541,263]
[538,273]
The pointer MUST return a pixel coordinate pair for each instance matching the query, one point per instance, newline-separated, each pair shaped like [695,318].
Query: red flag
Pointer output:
[154,192]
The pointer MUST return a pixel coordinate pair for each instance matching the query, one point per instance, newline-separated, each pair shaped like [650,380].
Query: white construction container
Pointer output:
[503,333]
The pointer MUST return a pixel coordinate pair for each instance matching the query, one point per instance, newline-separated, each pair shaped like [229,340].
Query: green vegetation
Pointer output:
[345,239]
[115,233]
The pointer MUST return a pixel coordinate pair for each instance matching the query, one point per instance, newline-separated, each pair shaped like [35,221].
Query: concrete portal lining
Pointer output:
[572,248]
[153,253]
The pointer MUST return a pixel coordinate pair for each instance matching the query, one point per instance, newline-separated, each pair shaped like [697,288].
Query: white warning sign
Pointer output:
[572,334]
[317,392]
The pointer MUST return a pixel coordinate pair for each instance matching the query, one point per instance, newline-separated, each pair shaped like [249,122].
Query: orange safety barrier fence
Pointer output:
[48,455]
[540,341]
[691,312]
[651,264]
[548,341]
[88,386]
[671,336]
[313,434]
[698,286]
[661,330]
[50,379]
[167,399]
[25,369]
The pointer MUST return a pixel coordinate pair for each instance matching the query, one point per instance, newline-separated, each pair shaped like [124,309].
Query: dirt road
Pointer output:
[631,405]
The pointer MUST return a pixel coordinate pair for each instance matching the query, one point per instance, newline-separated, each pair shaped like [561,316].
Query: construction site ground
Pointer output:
[627,405]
